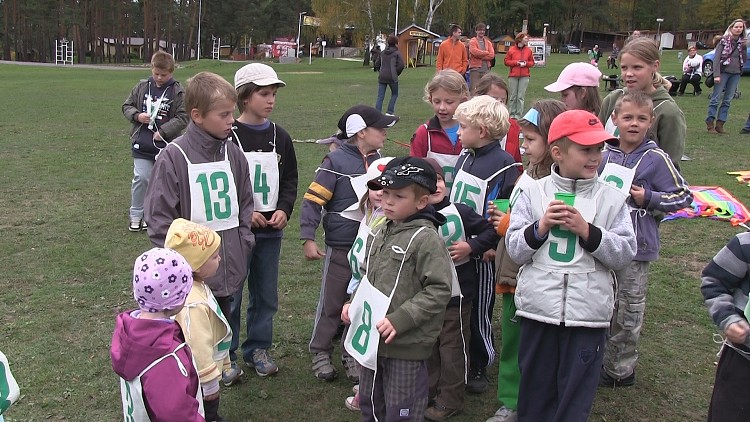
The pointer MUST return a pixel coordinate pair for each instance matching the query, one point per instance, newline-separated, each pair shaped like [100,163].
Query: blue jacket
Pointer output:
[332,192]
[666,191]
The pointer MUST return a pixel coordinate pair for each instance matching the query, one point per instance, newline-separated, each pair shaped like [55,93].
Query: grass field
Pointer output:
[66,257]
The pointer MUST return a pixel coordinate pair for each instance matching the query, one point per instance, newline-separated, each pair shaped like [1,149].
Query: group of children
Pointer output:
[416,247]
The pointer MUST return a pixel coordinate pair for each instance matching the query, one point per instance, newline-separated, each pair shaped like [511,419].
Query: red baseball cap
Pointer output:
[580,126]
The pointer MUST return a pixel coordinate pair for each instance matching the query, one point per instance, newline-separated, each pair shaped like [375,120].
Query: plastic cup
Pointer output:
[568,198]
[502,204]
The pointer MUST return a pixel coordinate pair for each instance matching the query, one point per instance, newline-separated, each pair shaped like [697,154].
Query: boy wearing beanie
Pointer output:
[158,380]
[206,327]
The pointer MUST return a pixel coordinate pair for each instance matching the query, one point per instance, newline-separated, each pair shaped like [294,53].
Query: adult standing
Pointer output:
[612,61]
[691,72]
[730,55]
[374,55]
[452,52]
[481,53]
[389,65]
[519,59]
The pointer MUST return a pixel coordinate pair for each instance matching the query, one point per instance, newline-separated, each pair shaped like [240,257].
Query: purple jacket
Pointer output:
[666,191]
[136,343]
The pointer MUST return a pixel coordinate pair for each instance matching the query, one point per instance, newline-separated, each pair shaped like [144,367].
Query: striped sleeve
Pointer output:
[315,199]
[725,282]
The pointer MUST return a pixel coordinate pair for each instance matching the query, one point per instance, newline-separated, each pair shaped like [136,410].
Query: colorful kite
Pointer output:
[743,176]
[713,202]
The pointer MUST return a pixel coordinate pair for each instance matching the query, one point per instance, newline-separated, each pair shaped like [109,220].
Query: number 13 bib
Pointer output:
[213,194]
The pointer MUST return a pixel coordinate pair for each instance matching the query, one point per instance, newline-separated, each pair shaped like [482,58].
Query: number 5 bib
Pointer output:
[368,307]
[213,194]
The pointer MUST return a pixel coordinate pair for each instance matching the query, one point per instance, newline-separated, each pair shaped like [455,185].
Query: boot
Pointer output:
[720,126]
[710,126]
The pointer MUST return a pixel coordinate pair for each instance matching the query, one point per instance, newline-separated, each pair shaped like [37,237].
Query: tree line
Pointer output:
[31,27]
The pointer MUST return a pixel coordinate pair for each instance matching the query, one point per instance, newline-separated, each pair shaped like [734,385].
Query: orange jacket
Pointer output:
[452,55]
[515,55]
[477,55]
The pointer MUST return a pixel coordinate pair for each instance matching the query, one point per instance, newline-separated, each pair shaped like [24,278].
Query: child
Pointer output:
[465,234]
[155,107]
[9,391]
[273,168]
[438,138]
[203,177]
[638,168]
[334,191]
[158,379]
[725,284]
[398,309]
[484,172]
[578,85]
[639,67]
[206,328]
[564,297]
[535,127]
[493,85]
[370,206]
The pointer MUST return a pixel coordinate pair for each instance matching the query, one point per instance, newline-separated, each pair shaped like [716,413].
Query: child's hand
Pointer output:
[459,251]
[311,250]
[495,214]
[638,194]
[258,220]
[574,222]
[386,330]
[345,314]
[278,220]
[737,332]
[143,118]
[157,136]
[489,256]
[556,210]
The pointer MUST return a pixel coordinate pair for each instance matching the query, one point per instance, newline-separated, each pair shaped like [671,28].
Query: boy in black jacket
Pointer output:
[389,65]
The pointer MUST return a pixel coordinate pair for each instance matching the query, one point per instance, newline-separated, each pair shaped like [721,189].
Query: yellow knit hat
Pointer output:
[195,242]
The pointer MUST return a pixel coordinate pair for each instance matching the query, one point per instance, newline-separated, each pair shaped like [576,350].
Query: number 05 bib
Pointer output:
[213,194]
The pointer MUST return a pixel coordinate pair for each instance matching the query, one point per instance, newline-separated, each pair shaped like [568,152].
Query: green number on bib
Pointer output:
[129,399]
[462,192]
[445,230]
[353,262]
[215,209]
[570,247]
[358,342]
[614,180]
[261,184]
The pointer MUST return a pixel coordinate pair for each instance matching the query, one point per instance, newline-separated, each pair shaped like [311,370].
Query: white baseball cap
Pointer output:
[576,74]
[258,73]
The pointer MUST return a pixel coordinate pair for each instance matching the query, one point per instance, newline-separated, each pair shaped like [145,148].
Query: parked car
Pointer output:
[570,49]
[700,45]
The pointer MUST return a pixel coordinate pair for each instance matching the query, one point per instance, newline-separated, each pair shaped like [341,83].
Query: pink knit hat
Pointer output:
[161,280]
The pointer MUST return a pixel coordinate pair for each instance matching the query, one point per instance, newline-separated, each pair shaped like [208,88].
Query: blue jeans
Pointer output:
[381,96]
[724,90]
[141,175]
[263,299]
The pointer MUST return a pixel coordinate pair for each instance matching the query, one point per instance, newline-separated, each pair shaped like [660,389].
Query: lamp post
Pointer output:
[200,12]
[299,31]
[658,31]
[395,23]
[544,35]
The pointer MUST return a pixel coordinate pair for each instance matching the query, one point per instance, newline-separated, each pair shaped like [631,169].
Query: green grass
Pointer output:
[66,255]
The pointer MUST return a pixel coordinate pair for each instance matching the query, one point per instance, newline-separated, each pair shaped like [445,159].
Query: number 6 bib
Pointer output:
[213,194]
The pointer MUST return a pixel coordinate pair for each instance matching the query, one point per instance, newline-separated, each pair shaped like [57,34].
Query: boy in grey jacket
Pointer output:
[568,231]
[156,108]
[397,312]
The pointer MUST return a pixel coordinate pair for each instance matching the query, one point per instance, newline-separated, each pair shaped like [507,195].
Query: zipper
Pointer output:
[564,298]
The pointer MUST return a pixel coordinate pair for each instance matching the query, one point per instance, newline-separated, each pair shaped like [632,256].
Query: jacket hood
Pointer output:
[660,95]
[166,85]
[136,343]
[391,49]
[646,145]
[429,214]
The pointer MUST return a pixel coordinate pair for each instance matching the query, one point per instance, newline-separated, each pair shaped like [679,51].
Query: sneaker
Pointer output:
[135,225]
[232,375]
[144,226]
[323,367]
[685,158]
[504,414]
[263,363]
[744,131]
[352,403]
[439,412]
[477,382]
[352,368]
[607,381]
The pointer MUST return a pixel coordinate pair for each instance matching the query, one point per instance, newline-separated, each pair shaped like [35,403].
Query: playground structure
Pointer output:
[63,52]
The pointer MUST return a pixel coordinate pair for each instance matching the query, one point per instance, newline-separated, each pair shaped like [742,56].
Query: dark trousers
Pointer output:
[482,342]
[731,388]
[225,304]
[449,362]
[336,276]
[559,371]
[397,392]
[694,80]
